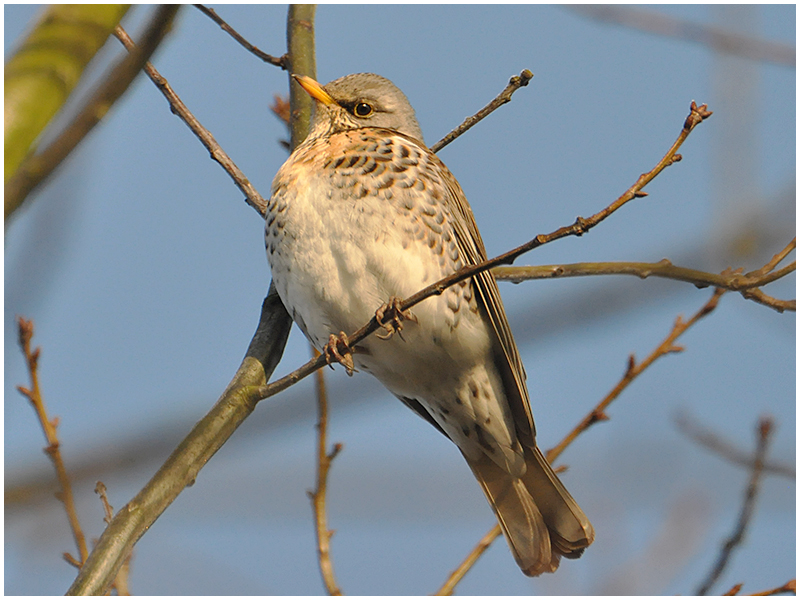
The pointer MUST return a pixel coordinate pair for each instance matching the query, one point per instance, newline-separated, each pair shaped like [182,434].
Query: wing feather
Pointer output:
[473,251]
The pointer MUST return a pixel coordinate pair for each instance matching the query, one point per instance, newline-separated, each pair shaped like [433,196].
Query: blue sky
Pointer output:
[144,271]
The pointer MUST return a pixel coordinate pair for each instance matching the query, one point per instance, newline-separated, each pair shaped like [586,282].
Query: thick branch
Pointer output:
[233,407]
[302,60]
[182,467]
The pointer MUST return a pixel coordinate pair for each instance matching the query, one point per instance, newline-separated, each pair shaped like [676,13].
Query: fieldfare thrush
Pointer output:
[363,213]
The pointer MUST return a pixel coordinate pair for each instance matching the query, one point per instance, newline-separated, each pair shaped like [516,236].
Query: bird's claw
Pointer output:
[338,350]
[391,317]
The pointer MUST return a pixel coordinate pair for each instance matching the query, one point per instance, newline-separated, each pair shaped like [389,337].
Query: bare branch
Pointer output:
[790,587]
[248,386]
[181,468]
[53,448]
[280,61]
[252,196]
[746,284]
[239,399]
[728,280]
[632,371]
[504,97]
[764,430]
[762,298]
[449,586]
[319,495]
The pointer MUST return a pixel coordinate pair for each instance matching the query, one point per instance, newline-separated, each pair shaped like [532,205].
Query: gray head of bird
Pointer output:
[359,100]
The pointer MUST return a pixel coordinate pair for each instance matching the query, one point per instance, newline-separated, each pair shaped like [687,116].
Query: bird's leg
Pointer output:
[338,350]
[391,317]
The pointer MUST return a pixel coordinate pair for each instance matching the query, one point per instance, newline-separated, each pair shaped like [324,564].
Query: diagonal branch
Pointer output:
[632,371]
[237,401]
[503,97]
[248,386]
[253,198]
[716,38]
[181,468]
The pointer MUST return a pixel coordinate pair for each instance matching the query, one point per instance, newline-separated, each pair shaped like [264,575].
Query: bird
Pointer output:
[361,214]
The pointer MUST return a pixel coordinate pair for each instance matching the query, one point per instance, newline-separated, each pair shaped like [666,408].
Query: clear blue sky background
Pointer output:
[144,271]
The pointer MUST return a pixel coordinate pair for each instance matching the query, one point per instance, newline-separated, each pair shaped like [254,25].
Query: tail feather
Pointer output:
[540,519]
[570,529]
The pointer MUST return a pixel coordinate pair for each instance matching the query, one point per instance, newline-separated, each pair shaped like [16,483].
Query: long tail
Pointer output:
[539,517]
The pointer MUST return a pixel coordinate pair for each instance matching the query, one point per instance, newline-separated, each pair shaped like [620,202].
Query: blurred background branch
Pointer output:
[715,38]
[43,72]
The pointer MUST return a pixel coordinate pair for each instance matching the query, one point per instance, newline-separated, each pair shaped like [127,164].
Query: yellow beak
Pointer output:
[314,89]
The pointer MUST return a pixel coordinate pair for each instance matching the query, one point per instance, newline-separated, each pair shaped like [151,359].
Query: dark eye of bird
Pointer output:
[362,109]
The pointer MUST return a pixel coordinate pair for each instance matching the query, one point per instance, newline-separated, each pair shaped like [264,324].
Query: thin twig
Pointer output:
[516,82]
[278,61]
[253,198]
[712,441]
[34,395]
[760,297]
[458,574]
[121,580]
[775,260]
[319,495]
[578,228]
[729,280]
[764,431]
[632,371]
[734,590]
[790,587]
[35,169]
[101,490]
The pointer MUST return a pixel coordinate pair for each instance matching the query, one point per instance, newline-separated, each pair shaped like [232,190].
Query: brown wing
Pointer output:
[473,251]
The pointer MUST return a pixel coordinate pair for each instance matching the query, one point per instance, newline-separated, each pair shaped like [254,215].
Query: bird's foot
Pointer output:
[338,350]
[391,317]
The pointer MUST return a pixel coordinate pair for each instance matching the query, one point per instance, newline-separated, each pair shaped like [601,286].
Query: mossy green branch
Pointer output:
[42,73]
